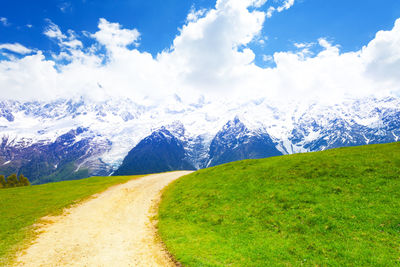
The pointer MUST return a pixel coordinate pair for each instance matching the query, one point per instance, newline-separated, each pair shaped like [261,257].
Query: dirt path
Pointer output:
[112,229]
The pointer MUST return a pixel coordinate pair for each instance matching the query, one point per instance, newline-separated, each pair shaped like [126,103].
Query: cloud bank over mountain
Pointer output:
[210,56]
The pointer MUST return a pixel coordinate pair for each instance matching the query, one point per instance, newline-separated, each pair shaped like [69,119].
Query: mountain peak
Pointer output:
[236,120]
[235,125]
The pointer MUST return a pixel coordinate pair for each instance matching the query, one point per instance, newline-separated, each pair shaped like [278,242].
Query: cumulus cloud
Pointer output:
[205,56]
[382,57]
[210,56]
[113,36]
[16,48]
[28,77]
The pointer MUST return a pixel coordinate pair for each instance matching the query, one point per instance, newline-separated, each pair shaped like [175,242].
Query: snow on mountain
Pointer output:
[114,127]
[159,152]
[235,141]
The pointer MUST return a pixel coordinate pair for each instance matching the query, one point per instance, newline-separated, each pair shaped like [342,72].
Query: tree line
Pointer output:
[13,181]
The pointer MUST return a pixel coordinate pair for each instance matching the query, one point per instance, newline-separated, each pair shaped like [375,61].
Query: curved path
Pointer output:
[111,229]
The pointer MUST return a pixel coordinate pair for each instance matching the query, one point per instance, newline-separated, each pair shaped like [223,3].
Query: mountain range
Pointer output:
[75,138]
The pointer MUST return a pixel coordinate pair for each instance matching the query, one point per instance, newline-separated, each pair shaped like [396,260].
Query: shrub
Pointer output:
[23,181]
[12,180]
[3,182]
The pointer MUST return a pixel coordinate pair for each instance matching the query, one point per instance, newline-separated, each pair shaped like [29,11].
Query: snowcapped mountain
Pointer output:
[73,138]
[161,151]
[235,141]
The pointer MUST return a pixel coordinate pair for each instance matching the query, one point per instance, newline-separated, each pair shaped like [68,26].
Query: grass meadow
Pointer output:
[339,207]
[22,207]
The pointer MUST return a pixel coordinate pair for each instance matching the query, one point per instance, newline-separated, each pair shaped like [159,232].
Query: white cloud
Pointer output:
[304,49]
[262,40]
[382,57]
[267,58]
[328,76]
[71,41]
[303,45]
[284,6]
[195,14]
[4,21]
[206,55]
[16,48]
[209,56]
[28,78]
[113,36]
[53,31]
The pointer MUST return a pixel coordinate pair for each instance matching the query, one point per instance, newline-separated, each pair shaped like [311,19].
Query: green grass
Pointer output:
[64,173]
[334,208]
[22,207]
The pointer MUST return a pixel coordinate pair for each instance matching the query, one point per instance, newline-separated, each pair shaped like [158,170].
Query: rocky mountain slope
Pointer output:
[235,141]
[159,152]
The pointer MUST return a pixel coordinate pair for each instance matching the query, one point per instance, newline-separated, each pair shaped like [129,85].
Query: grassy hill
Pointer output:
[339,207]
[22,207]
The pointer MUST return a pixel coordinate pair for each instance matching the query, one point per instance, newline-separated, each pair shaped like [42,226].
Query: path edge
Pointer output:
[154,217]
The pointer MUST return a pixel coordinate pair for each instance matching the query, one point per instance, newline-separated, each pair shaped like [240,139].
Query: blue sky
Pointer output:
[158,21]
[351,24]
[247,48]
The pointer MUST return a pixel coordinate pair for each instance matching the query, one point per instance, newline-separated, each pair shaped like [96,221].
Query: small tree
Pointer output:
[12,180]
[3,182]
[23,180]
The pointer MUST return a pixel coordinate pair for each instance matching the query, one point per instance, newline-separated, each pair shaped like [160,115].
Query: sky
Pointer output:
[241,49]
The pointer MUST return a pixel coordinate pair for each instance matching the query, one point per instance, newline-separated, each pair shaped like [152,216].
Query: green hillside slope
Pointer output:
[334,208]
[21,207]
